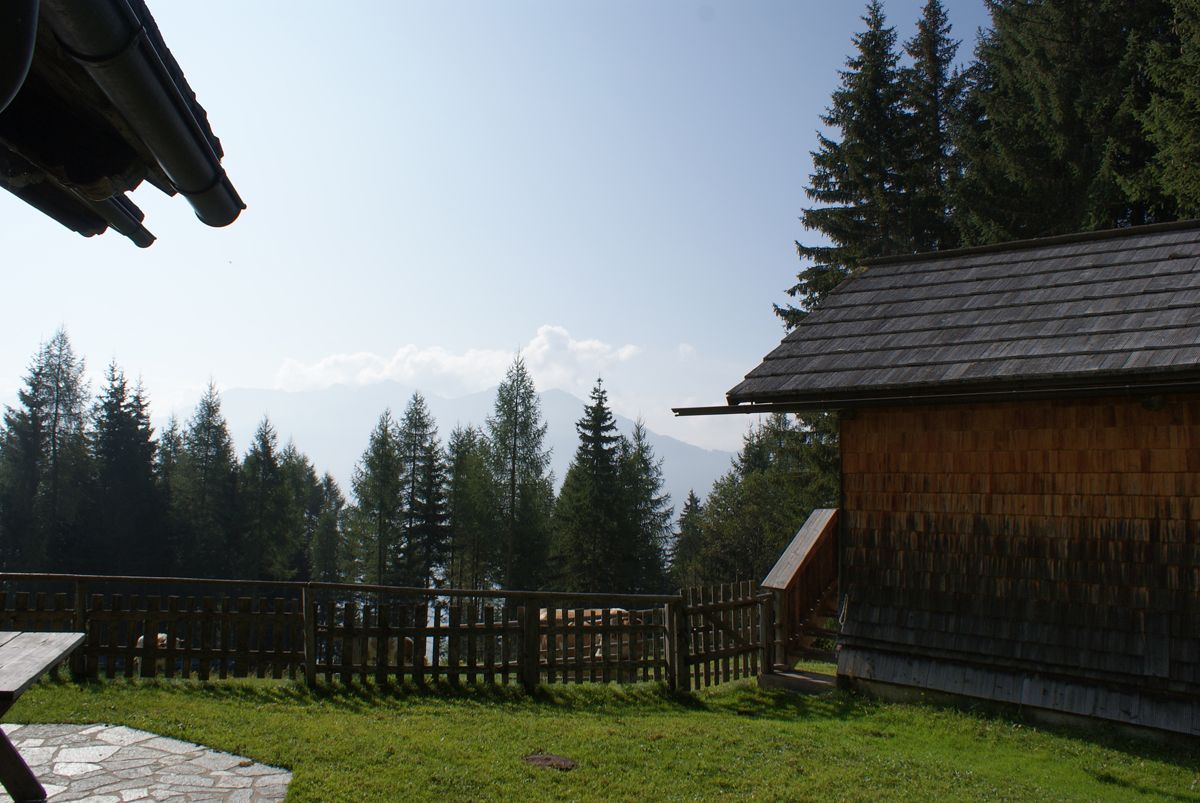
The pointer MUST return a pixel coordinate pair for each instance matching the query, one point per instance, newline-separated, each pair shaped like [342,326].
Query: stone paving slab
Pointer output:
[115,764]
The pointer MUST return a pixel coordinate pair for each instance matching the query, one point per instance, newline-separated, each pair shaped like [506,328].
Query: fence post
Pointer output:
[681,637]
[309,619]
[766,626]
[79,625]
[783,625]
[671,644]
[529,645]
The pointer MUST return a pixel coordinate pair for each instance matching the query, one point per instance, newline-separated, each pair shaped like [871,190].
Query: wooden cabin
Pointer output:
[1020,447]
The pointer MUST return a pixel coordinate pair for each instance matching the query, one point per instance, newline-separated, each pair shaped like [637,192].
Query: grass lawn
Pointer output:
[631,743]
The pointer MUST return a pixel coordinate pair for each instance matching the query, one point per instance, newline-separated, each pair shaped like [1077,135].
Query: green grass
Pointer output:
[631,743]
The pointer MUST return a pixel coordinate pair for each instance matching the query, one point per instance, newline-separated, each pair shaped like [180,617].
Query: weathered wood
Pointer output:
[528,615]
[25,656]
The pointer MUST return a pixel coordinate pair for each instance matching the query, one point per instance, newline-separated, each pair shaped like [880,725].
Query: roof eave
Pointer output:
[1140,385]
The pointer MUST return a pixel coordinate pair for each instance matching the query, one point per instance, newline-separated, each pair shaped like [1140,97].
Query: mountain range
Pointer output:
[332,426]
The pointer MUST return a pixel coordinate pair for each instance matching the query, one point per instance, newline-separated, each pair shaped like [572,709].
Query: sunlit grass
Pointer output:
[630,743]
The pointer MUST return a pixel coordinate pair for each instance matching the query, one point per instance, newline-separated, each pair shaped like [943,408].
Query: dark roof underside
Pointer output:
[1122,308]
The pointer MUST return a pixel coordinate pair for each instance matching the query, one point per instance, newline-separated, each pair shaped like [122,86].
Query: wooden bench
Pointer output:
[25,657]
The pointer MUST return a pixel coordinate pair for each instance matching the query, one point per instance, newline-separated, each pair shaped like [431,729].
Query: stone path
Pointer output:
[115,764]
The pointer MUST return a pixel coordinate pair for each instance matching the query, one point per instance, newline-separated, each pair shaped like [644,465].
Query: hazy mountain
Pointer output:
[331,426]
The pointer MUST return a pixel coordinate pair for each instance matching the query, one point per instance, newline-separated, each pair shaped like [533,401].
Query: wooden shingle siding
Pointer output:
[1051,537]
[1121,306]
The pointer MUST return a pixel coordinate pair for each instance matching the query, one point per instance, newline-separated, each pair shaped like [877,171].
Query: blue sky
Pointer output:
[612,187]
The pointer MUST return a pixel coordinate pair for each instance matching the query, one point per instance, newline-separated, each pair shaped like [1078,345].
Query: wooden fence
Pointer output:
[215,629]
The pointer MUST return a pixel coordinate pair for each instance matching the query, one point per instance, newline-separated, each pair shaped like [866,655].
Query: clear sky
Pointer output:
[612,187]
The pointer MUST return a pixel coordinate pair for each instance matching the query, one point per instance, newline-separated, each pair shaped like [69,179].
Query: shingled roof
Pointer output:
[1085,313]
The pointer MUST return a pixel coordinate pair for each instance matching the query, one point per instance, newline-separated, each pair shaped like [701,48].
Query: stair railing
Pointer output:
[802,576]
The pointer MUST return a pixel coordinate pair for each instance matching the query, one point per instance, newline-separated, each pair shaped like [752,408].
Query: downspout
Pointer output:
[18,33]
[109,41]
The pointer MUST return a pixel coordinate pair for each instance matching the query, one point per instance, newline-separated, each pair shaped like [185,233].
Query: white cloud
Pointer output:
[554,358]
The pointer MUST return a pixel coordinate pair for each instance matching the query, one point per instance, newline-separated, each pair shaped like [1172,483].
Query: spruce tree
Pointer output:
[22,462]
[1050,140]
[168,479]
[521,473]
[377,518]
[932,94]
[648,514]
[1172,117]
[689,540]
[264,504]
[423,475]
[330,551]
[858,181]
[205,495]
[305,498]
[590,517]
[475,560]
[126,511]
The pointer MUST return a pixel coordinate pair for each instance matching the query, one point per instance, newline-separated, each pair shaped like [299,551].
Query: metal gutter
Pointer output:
[110,42]
[848,402]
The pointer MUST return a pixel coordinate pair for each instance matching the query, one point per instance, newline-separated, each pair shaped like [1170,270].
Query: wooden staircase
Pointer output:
[804,587]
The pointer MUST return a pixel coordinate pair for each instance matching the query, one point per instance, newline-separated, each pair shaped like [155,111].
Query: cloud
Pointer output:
[554,358]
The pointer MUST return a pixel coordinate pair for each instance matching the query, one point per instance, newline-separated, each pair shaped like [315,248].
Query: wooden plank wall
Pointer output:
[1041,536]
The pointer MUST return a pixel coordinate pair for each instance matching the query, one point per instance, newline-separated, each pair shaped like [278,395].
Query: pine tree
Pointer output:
[648,513]
[520,469]
[1050,140]
[859,181]
[932,94]
[689,540]
[423,474]
[126,511]
[475,560]
[591,523]
[205,494]
[377,518]
[1172,117]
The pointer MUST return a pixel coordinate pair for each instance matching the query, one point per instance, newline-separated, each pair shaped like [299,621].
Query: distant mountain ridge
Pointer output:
[332,426]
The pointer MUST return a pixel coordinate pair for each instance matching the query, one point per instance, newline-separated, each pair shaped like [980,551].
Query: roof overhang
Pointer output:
[1125,385]
[92,103]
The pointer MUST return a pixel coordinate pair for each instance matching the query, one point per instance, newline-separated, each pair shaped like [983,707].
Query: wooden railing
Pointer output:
[216,629]
[803,577]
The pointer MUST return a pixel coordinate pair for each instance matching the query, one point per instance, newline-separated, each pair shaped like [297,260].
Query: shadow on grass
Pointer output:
[742,698]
